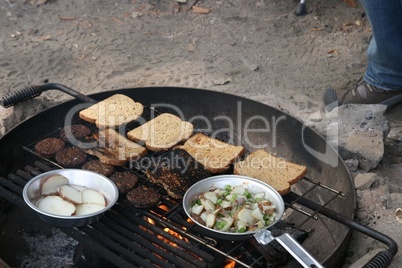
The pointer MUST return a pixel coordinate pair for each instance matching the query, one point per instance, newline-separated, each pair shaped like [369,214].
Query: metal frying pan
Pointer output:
[263,236]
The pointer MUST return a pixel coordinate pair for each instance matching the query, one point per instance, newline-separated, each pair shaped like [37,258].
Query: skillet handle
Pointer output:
[291,245]
[31,92]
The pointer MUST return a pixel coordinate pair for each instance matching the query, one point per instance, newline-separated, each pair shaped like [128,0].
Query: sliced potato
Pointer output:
[93,196]
[50,185]
[69,193]
[88,208]
[79,187]
[56,205]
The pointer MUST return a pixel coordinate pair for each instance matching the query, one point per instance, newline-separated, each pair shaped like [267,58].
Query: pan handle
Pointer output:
[31,92]
[264,237]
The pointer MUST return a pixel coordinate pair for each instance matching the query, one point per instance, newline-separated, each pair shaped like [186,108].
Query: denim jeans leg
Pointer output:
[385,49]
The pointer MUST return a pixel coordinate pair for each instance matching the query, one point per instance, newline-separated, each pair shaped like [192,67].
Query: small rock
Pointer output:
[353,164]
[365,181]
[398,214]
[221,81]
[136,14]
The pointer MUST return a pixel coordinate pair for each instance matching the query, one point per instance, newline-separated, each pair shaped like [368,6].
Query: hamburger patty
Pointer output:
[125,181]
[49,147]
[76,131]
[143,197]
[99,167]
[70,157]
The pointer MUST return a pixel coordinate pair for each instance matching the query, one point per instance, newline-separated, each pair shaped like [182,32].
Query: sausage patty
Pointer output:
[143,197]
[125,181]
[49,147]
[99,167]
[71,157]
[75,131]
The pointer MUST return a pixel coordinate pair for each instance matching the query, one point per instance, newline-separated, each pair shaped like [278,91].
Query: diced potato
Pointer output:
[208,205]
[238,189]
[259,195]
[211,196]
[257,214]
[203,216]
[225,204]
[245,215]
[197,209]
[241,225]
[229,223]
[210,220]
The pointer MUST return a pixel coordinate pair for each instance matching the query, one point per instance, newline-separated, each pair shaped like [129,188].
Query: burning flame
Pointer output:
[230,264]
[167,230]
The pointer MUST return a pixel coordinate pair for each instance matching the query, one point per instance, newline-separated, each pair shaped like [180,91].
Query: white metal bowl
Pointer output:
[251,184]
[32,193]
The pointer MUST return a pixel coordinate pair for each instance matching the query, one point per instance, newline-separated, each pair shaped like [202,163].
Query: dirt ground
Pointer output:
[256,49]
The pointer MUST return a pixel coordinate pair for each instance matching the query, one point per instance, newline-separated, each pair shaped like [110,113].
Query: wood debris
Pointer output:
[200,10]
[316,29]
[41,38]
[351,3]
[333,51]
[66,18]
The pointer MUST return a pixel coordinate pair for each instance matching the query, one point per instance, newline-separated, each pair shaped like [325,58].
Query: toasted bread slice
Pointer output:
[107,156]
[113,111]
[120,146]
[162,133]
[215,155]
[270,169]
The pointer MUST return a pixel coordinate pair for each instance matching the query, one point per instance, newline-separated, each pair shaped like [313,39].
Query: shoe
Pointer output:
[361,93]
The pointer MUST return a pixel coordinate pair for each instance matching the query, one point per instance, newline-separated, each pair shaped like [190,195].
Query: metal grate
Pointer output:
[161,236]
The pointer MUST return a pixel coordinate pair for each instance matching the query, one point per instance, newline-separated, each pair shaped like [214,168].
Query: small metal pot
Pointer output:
[262,236]
[32,193]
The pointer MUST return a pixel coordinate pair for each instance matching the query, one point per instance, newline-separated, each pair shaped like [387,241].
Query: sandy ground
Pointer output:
[256,49]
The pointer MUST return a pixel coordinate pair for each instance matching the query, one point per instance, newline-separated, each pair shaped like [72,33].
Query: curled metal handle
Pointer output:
[31,92]
[264,237]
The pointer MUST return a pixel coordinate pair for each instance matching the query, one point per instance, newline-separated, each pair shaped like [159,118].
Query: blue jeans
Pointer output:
[385,49]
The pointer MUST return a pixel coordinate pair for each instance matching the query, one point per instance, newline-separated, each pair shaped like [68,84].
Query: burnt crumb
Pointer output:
[71,157]
[49,147]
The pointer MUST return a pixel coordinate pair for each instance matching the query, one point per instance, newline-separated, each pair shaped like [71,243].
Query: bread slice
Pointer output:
[162,133]
[120,145]
[115,149]
[270,169]
[215,155]
[113,111]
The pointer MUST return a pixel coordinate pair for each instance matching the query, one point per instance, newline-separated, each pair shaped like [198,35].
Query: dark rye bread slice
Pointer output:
[215,155]
[176,171]
[112,112]
[270,169]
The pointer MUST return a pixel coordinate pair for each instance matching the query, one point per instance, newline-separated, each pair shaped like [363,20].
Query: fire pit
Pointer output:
[322,203]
